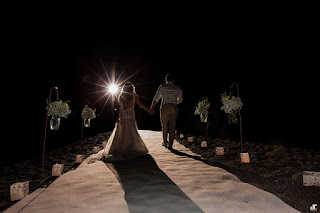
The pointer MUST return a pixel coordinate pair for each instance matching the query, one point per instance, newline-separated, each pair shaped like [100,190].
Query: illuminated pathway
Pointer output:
[160,182]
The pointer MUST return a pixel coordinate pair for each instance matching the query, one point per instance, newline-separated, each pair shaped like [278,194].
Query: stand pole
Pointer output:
[81,128]
[46,127]
[231,87]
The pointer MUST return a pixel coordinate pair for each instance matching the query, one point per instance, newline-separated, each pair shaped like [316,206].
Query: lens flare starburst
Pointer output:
[109,84]
[113,89]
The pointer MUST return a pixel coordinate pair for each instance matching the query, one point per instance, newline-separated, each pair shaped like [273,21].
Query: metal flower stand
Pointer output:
[46,126]
[244,157]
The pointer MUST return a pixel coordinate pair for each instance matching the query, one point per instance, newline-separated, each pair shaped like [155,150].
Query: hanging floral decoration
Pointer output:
[88,113]
[203,109]
[58,109]
[231,106]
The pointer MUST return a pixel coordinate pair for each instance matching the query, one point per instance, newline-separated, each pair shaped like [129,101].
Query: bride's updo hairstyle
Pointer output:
[128,91]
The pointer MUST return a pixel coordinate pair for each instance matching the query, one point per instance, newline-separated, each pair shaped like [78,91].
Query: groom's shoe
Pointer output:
[169,146]
[165,144]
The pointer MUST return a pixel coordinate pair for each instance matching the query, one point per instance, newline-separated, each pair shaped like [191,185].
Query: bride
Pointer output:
[125,141]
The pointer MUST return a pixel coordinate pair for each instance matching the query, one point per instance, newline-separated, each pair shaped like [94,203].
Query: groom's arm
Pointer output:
[156,98]
[153,106]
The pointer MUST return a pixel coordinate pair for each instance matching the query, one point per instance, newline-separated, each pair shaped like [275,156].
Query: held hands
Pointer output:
[151,111]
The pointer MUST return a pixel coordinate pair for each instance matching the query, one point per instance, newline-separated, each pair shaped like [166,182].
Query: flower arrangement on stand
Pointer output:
[87,114]
[56,110]
[231,106]
[203,109]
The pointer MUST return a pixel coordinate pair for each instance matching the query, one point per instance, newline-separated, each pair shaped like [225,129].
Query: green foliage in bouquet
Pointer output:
[203,107]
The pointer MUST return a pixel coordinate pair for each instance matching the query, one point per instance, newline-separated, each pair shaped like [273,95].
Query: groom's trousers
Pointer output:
[168,116]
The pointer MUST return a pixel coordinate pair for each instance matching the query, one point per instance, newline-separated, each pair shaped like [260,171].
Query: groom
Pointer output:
[171,95]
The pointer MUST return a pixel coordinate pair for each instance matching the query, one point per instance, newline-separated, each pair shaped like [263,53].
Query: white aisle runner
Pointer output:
[213,189]
[160,182]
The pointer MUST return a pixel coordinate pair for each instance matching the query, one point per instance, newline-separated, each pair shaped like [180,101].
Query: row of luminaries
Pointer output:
[57,169]
[20,190]
[310,178]
[244,157]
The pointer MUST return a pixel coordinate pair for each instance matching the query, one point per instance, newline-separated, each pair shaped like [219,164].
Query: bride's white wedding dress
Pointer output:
[125,141]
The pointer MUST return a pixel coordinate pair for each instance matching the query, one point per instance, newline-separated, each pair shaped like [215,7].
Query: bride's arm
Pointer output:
[141,104]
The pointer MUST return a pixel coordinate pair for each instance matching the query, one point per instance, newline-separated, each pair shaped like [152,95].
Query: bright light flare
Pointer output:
[110,86]
[113,89]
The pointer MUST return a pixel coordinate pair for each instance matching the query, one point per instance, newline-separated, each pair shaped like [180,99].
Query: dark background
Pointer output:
[275,63]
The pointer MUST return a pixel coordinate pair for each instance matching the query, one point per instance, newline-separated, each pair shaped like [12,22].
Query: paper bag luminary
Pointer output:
[219,151]
[57,169]
[79,158]
[19,190]
[96,149]
[190,139]
[181,136]
[311,178]
[245,157]
[204,144]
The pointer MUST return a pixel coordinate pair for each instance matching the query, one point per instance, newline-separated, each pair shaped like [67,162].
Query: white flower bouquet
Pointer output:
[231,104]
[88,113]
[58,109]
[203,109]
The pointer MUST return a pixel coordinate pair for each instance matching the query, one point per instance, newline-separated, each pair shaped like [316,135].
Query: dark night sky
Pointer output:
[275,64]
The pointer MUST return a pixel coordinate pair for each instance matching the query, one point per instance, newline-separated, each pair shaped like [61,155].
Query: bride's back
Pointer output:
[127,96]
[126,101]
[127,108]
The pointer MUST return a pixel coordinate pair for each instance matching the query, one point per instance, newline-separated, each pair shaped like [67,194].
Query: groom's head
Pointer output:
[169,77]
